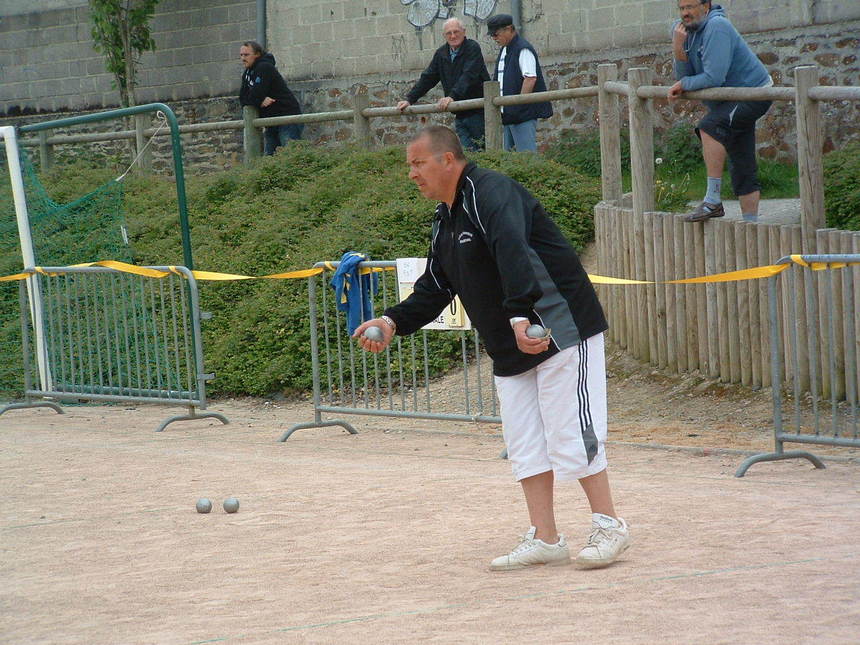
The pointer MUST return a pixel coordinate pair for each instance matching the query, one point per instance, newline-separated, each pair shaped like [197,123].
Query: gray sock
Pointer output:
[750,217]
[713,194]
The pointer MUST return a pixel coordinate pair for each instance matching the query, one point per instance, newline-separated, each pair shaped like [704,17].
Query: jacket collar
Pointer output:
[442,208]
[458,196]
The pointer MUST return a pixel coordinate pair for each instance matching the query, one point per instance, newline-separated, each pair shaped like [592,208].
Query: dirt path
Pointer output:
[385,537]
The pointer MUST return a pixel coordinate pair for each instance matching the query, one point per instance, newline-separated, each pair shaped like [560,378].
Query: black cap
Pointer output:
[499,21]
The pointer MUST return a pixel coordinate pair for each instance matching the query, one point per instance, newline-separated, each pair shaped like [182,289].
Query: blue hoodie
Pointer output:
[718,57]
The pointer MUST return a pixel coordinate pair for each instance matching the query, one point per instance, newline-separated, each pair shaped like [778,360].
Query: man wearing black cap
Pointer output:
[518,72]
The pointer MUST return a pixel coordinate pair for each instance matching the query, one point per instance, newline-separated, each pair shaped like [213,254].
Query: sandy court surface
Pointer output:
[385,537]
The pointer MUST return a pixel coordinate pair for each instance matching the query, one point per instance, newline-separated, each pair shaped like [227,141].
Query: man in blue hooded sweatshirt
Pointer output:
[709,52]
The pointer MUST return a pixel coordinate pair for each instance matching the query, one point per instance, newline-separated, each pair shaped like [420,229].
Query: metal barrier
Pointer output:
[106,335]
[812,315]
[400,381]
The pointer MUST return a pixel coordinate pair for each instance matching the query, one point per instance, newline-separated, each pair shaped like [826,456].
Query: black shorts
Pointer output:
[732,123]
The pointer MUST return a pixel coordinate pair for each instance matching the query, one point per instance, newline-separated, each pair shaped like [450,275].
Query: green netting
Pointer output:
[88,229]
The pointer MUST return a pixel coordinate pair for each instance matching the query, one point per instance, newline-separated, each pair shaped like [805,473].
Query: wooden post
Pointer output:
[601,247]
[626,219]
[610,134]
[809,153]
[660,321]
[731,307]
[620,224]
[46,150]
[686,296]
[640,315]
[641,142]
[722,306]
[360,123]
[850,316]
[697,323]
[820,279]
[775,249]
[492,117]
[764,256]
[252,137]
[144,163]
[669,262]
[742,295]
[752,235]
[787,297]
[855,249]
[712,328]
[837,317]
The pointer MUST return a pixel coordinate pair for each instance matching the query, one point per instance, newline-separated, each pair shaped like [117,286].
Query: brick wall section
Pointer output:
[47,62]
[344,38]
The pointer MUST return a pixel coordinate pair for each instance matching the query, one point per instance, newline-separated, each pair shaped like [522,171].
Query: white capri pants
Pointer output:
[554,415]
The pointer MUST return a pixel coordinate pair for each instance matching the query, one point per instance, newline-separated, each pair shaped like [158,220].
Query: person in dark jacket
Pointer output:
[459,65]
[494,246]
[518,72]
[265,89]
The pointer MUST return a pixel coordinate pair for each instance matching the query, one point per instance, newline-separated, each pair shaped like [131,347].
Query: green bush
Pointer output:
[580,150]
[842,188]
[287,212]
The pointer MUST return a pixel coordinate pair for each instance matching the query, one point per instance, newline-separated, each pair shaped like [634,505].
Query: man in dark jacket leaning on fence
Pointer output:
[263,87]
[493,245]
[518,72]
[459,65]
[709,52]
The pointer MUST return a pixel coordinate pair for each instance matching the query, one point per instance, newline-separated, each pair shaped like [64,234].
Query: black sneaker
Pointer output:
[705,211]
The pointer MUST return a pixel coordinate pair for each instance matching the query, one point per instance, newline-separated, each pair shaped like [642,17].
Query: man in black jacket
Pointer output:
[518,72]
[265,89]
[459,65]
[494,246]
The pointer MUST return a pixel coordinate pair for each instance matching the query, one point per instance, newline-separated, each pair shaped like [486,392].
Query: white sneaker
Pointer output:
[531,551]
[609,539]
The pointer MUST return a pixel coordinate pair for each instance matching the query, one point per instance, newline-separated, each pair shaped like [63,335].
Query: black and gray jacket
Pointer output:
[461,79]
[262,80]
[502,254]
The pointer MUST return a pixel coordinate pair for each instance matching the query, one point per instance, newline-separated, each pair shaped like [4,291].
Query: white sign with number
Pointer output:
[453,317]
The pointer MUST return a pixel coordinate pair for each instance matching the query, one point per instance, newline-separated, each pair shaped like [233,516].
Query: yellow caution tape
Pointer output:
[17,276]
[753,273]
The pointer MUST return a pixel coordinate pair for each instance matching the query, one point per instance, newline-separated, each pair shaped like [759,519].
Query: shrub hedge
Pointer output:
[289,211]
[842,188]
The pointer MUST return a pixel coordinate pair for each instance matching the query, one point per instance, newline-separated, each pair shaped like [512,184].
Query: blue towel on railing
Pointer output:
[353,291]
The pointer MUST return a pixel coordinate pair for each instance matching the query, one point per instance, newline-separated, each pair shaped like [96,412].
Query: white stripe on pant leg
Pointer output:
[572,388]
[522,425]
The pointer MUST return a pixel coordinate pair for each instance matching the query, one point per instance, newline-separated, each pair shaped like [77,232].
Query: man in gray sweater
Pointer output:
[709,52]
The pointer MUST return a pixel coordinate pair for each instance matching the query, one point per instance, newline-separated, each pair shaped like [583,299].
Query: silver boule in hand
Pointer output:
[537,331]
[374,333]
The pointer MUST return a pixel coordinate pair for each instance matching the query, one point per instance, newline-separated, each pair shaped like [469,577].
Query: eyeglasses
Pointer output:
[452,32]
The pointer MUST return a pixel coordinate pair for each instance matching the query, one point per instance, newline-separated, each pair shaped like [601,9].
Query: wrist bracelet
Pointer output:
[389,322]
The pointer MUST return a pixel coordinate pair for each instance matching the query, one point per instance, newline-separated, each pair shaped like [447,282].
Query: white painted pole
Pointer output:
[7,133]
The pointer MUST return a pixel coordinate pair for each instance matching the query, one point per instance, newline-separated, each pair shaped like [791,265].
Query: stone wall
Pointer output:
[327,47]
[203,152]
[48,64]
[386,36]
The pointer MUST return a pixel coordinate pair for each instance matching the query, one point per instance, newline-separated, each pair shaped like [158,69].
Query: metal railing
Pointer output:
[106,335]
[400,381]
[825,413]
